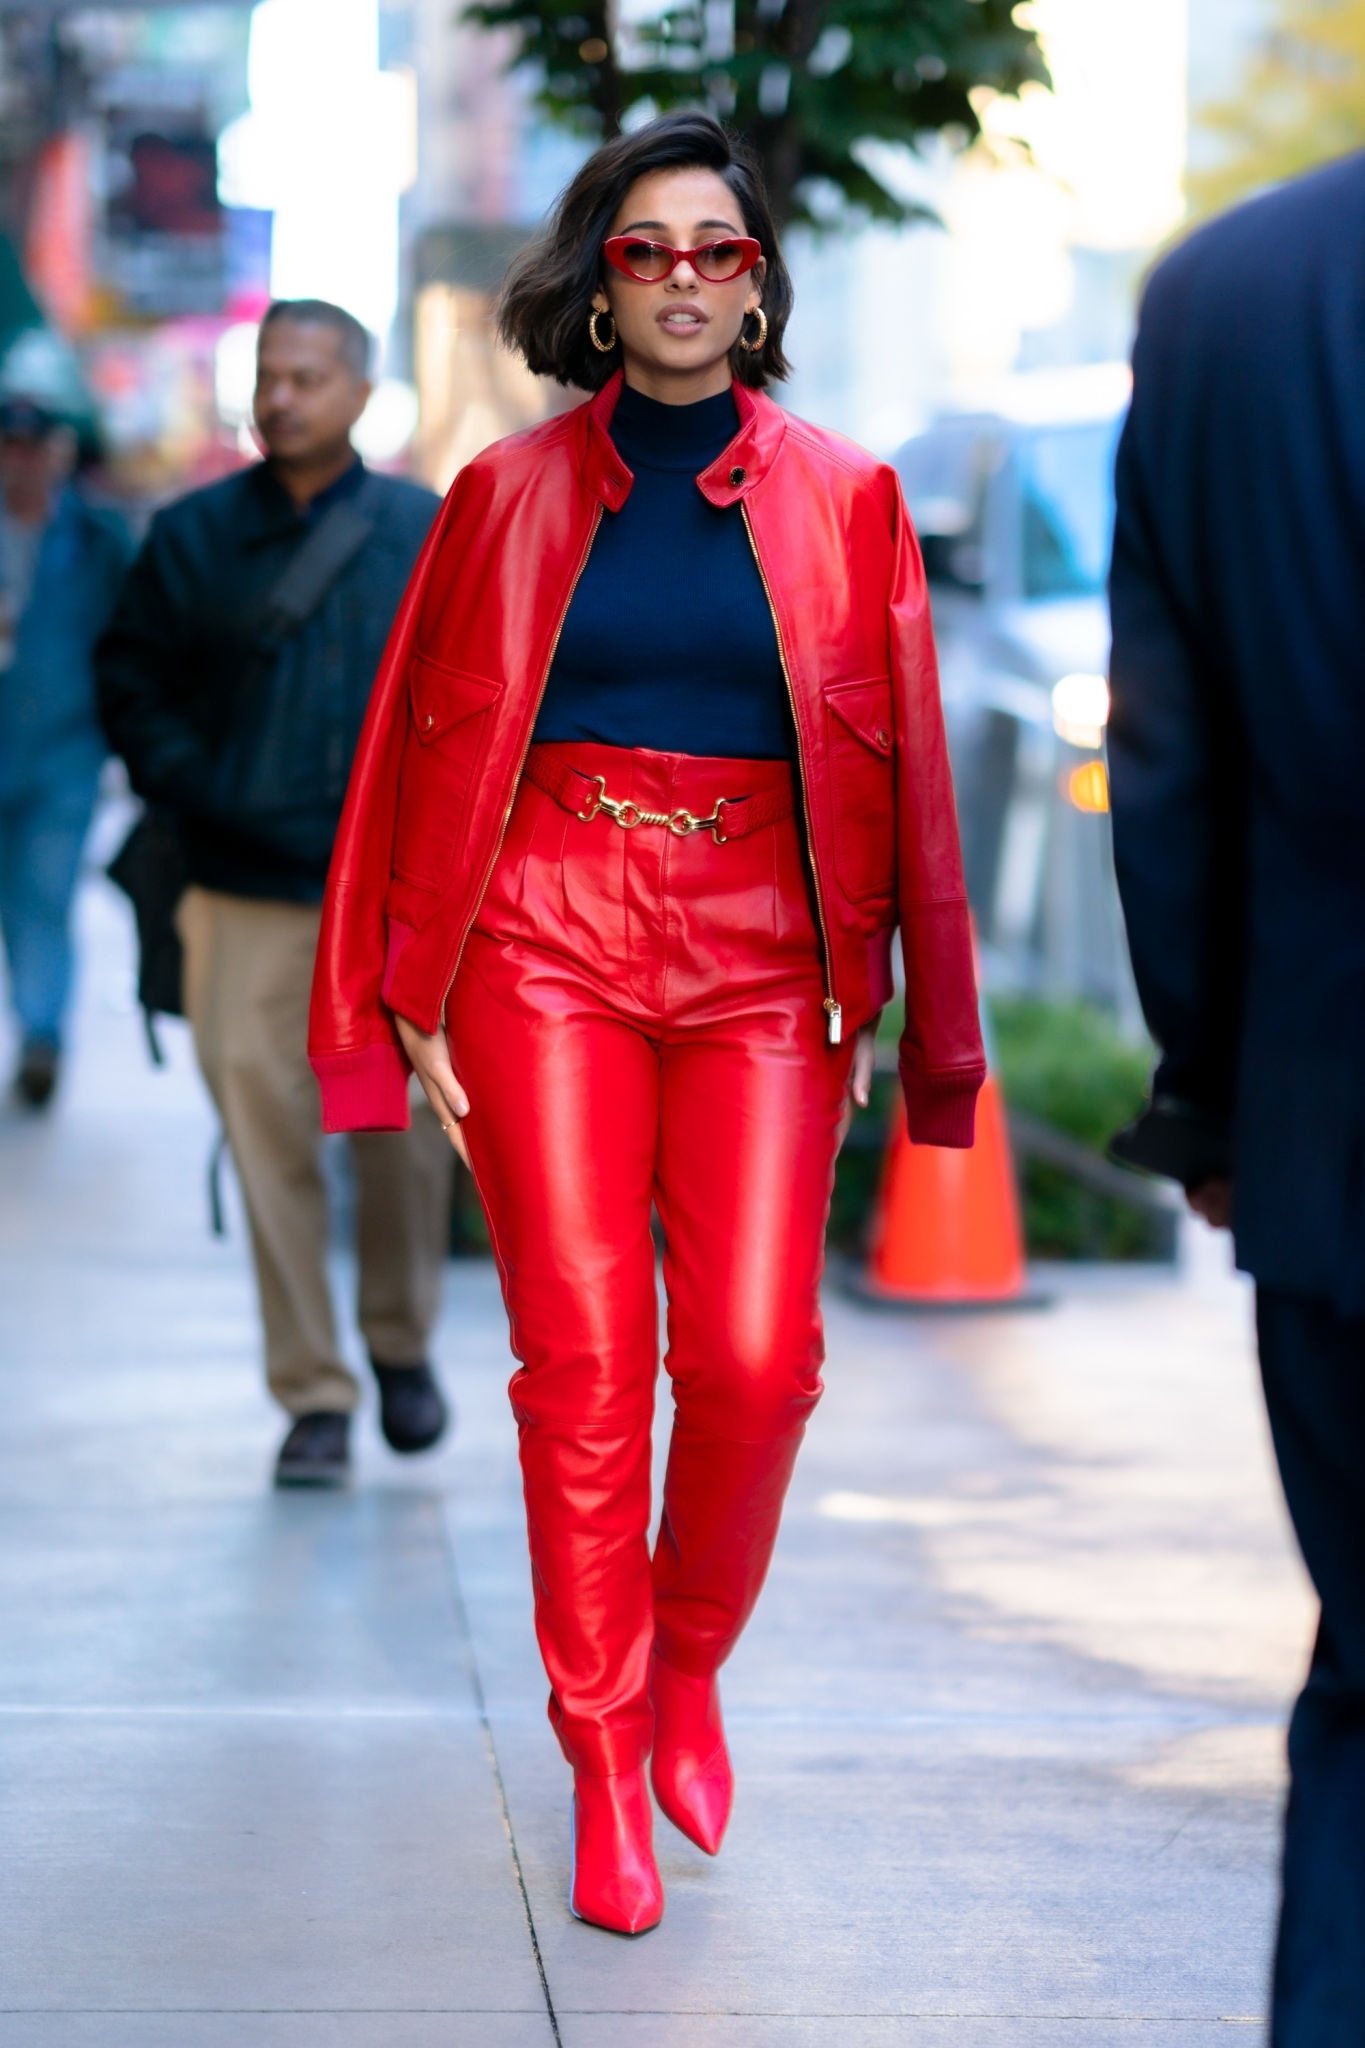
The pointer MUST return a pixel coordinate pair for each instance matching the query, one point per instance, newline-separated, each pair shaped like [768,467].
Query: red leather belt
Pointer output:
[734,817]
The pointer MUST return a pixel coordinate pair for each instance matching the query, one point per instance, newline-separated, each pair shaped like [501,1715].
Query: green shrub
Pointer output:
[858,1172]
[1061,1062]
[1067,1065]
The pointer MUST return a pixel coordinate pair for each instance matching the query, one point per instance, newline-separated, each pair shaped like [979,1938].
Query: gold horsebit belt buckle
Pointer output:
[629,815]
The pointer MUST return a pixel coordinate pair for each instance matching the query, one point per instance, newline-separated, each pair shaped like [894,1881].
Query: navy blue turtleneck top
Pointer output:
[669,641]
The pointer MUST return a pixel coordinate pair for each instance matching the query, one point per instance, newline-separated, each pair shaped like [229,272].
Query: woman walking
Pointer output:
[654,767]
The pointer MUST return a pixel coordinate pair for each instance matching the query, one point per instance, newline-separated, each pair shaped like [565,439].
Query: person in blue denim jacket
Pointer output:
[61,565]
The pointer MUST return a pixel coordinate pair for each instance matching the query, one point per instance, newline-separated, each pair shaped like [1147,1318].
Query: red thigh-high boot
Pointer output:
[561,1134]
[749,1131]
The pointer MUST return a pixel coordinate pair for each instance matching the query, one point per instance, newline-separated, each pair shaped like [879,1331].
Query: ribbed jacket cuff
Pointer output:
[940,1109]
[363,1091]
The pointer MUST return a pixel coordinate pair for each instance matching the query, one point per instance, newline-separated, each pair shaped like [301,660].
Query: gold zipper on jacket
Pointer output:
[833,1009]
[521,762]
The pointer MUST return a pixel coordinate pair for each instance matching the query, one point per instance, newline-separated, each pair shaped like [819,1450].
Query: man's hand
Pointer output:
[1212,1200]
[429,1052]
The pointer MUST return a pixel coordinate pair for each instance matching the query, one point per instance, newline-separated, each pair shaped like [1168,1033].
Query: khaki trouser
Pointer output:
[248,970]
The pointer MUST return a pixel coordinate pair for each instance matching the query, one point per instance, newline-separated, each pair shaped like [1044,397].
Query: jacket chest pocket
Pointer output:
[860,735]
[448,733]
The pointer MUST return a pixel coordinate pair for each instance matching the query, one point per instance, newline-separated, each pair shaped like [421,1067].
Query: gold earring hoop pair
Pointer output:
[604,348]
[755,348]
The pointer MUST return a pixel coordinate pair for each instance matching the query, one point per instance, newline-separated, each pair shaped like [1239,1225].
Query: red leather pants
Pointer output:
[637,1020]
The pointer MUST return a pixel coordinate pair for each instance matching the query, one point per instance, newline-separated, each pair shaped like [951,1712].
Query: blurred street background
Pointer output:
[972,195]
[1008,1726]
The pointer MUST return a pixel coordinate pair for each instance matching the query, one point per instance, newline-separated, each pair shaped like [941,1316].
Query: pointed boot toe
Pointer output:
[615,1882]
[690,1768]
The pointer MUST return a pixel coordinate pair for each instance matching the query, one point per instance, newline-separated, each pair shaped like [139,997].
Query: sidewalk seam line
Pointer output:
[485,1722]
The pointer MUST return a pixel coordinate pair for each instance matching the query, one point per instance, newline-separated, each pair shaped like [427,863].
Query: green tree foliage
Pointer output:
[807,81]
[1302,102]
[1066,1064]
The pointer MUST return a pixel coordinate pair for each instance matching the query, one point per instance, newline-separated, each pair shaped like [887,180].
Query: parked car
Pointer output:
[1013,504]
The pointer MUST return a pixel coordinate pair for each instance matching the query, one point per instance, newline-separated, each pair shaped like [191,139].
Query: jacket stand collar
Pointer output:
[741,464]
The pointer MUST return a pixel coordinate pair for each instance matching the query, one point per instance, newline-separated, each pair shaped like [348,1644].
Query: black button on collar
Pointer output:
[737,475]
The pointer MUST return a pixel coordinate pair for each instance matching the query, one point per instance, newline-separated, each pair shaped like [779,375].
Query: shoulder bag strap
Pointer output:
[311,571]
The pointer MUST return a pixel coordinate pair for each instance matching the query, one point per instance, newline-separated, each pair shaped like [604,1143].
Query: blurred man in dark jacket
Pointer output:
[1238,766]
[61,563]
[233,681]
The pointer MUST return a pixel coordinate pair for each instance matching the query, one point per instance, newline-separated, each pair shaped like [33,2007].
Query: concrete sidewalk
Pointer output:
[276,1770]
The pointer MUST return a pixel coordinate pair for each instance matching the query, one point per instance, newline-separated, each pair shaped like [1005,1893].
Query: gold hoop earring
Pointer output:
[755,348]
[604,348]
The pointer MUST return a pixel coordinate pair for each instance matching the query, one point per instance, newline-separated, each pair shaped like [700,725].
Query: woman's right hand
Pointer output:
[429,1052]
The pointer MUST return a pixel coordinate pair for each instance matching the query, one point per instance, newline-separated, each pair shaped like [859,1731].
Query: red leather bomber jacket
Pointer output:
[456,699]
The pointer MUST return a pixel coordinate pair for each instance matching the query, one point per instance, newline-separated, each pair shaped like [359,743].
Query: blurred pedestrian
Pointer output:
[61,563]
[709,622]
[1237,750]
[233,681]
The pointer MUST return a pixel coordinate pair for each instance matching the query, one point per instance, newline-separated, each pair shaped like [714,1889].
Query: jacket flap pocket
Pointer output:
[865,708]
[443,697]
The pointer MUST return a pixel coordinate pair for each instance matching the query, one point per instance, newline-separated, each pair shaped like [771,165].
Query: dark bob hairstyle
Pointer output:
[548,292]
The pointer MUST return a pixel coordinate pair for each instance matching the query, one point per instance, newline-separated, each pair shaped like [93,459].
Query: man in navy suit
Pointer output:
[1237,755]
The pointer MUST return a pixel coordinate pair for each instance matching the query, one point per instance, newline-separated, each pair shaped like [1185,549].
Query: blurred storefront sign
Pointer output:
[328,146]
[110,175]
[164,249]
[50,8]
[171,169]
[58,248]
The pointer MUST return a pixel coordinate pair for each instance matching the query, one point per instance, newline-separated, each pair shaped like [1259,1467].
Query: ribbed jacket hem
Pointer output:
[940,1109]
[363,1091]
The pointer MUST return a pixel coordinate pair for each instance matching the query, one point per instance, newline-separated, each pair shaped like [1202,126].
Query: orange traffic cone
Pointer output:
[946,1232]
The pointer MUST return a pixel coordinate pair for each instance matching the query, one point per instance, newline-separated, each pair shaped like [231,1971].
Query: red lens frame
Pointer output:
[750,253]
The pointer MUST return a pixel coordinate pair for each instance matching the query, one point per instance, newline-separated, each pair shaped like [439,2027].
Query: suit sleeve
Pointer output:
[942,1063]
[352,1042]
[1174,777]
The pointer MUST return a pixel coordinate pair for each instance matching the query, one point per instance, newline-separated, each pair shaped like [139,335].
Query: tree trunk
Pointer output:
[790,38]
[779,151]
[606,91]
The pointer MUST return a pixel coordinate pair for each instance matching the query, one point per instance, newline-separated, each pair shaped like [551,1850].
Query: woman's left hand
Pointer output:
[860,1076]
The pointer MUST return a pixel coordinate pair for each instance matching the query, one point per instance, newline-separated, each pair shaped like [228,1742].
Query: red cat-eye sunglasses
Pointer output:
[650,262]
